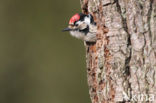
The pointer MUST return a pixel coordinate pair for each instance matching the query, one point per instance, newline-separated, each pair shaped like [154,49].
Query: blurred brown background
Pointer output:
[38,62]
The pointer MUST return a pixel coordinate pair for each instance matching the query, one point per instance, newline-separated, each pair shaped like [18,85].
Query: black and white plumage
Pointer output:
[83,27]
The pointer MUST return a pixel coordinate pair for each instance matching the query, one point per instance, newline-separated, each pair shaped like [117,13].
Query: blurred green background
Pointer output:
[38,62]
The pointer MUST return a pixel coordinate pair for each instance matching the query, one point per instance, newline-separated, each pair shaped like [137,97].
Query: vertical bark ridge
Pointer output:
[121,8]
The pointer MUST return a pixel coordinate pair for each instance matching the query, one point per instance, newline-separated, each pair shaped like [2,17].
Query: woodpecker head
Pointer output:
[79,25]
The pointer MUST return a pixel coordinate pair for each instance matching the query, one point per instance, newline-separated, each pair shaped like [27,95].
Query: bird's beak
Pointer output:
[66,29]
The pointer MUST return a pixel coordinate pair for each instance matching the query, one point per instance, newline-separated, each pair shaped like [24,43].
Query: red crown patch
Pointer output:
[74,18]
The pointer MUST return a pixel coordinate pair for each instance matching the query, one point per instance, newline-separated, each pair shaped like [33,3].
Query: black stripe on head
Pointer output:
[85,31]
[82,16]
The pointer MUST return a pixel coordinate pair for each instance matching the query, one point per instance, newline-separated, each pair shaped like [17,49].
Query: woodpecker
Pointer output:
[83,27]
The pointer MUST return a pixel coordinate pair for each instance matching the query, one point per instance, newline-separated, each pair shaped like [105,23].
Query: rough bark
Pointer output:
[121,65]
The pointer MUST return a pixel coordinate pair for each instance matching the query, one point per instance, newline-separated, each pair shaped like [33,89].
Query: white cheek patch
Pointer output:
[81,25]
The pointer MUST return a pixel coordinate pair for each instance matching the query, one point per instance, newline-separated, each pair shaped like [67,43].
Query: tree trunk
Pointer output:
[121,65]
